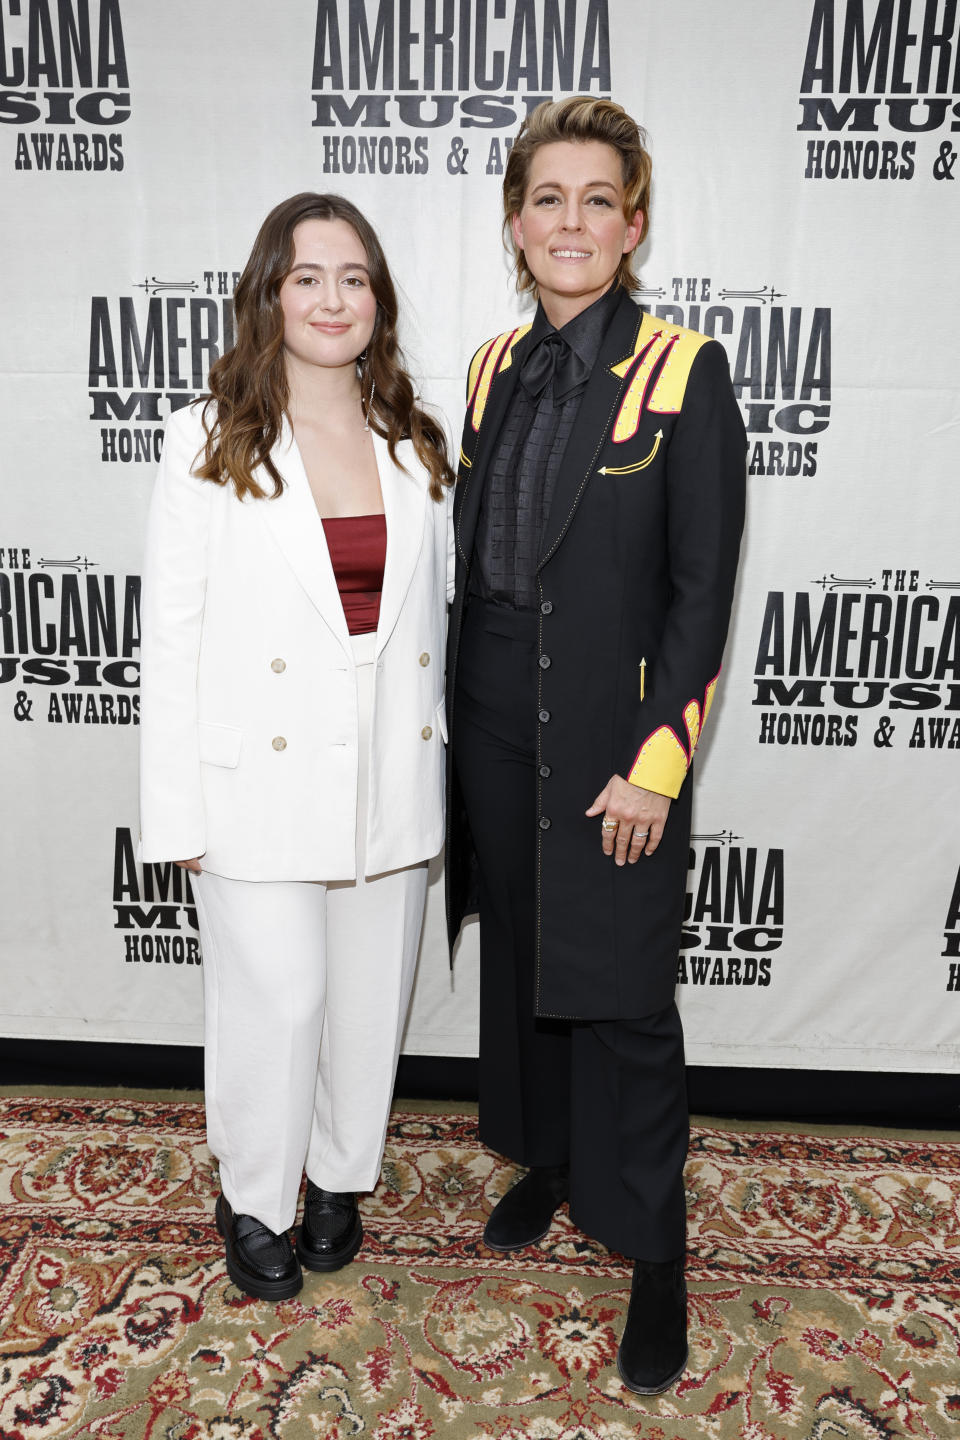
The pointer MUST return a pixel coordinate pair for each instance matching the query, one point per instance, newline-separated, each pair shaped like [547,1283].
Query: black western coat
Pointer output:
[635,582]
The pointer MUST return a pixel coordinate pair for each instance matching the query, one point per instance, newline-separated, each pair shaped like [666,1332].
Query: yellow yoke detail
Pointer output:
[491,358]
[658,339]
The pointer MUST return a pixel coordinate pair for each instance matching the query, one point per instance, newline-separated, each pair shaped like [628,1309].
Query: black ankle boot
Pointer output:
[523,1216]
[653,1351]
[332,1232]
[259,1262]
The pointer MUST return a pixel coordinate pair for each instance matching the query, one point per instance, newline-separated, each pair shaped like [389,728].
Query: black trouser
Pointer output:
[608,1097]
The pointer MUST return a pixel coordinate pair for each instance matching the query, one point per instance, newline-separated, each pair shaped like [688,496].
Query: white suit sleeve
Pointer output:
[172,823]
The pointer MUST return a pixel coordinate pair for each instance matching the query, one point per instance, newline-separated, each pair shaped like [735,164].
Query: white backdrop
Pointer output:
[804,211]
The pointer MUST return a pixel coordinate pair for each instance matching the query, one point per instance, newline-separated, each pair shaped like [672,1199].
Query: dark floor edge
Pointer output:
[877,1098]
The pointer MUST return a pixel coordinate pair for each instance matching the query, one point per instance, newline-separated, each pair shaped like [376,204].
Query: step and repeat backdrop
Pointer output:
[805,213]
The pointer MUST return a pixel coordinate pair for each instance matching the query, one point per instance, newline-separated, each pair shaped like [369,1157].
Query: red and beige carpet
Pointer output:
[824,1274]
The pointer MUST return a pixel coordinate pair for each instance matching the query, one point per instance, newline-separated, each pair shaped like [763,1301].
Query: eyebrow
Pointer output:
[558,185]
[312,265]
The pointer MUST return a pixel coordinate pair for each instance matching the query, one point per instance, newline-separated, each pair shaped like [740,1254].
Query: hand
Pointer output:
[633,819]
[192,865]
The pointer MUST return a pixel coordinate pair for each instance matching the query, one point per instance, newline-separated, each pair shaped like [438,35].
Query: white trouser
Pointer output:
[306,987]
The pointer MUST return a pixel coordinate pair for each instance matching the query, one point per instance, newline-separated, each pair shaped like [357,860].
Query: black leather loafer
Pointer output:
[259,1262]
[332,1232]
[524,1214]
[653,1351]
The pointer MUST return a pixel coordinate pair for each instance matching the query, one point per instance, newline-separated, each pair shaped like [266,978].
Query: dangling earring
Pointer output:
[361,362]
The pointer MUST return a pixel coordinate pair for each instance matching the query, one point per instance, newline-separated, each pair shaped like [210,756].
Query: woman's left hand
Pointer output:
[633,819]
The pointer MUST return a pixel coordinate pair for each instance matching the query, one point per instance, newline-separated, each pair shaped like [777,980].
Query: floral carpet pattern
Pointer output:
[824,1276]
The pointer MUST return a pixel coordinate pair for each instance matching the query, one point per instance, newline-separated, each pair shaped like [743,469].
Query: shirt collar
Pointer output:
[584,333]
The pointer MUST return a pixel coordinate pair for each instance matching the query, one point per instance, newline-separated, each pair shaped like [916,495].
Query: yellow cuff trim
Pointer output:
[661,763]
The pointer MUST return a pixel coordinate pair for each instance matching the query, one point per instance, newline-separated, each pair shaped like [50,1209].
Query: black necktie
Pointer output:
[553,359]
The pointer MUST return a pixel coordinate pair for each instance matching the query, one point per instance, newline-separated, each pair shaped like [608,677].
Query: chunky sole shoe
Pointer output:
[525,1213]
[331,1259]
[327,1256]
[263,1283]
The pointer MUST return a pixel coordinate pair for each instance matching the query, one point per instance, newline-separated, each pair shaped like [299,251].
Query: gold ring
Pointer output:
[609,825]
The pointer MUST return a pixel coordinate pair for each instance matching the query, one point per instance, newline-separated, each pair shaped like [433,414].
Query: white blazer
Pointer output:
[248,722]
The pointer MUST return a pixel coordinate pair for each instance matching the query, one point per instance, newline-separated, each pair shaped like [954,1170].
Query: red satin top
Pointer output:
[358,553]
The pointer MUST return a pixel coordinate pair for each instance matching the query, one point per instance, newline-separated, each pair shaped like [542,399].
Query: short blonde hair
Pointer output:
[579,118]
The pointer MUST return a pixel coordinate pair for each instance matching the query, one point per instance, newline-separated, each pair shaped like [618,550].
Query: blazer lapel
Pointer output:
[295,524]
[405,498]
[470,487]
[597,409]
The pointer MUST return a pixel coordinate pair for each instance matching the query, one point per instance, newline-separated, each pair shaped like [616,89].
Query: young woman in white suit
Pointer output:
[292,725]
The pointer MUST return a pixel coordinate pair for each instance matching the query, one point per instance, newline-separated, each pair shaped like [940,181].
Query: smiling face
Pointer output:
[328,305]
[571,226]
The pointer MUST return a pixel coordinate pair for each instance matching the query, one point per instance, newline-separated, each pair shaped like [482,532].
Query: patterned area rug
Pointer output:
[824,1275]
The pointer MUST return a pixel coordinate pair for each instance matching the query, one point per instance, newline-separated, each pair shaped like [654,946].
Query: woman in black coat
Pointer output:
[598,514]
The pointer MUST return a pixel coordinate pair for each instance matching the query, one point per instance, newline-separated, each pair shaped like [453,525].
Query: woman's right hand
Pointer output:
[192,865]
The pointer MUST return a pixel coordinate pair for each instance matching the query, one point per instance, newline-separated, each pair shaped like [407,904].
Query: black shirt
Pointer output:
[529,450]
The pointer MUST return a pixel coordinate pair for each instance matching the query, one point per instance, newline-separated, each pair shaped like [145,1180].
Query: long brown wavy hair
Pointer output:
[248,384]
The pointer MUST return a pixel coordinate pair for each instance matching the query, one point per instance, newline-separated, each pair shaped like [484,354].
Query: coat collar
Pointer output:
[298,531]
[597,409]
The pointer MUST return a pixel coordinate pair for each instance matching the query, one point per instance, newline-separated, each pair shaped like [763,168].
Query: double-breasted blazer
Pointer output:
[635,583]
[249,720]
